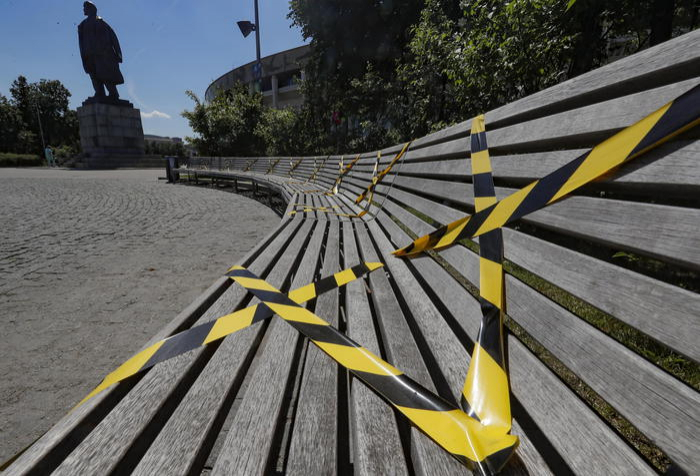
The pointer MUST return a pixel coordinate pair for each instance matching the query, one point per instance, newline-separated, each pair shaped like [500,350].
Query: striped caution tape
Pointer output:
[212,331]
[307,209]
[377,177]
[343,172]
[486,395]
[216,329]
[249,165]
[317,169]
[670,120]
[468,440]
[339,180]
[271,166]
[292,167]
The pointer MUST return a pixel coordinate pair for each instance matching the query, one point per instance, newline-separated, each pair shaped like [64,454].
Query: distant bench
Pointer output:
[602,298]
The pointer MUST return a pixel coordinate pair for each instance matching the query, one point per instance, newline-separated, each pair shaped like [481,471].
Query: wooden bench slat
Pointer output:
[315,437]
[402,351]
[660,310]
[249,445]
[113,437]
[573,439]
[376,443]
[671,165]
[630,225]
[178,444]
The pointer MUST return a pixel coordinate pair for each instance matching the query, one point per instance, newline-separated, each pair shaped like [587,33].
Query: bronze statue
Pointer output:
[100,52]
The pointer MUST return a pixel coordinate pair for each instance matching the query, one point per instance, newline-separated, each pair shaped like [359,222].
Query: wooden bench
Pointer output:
[602,299]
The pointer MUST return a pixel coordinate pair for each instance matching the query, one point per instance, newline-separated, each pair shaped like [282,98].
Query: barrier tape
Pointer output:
[249,165]
[667,122]
[469,441]
[307,209]
[339,180]
[317,169]
[212,331]
[486,395]
[293,167]
[376,178]
[272,166]
[216,329]
[343,173]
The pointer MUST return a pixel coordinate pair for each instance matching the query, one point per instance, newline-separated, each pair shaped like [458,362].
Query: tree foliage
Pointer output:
[237,123]
[226,125]
[453,59]
[383,71]
[46,100]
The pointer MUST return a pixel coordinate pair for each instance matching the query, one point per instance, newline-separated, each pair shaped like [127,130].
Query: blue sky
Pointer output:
[169,46]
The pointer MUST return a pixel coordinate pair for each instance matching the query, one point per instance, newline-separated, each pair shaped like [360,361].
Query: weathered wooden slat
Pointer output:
[249,445]
[402,351]
[315,437]
[672,165]
[45,453]
[659,231]
[572,433]
[109,443]
[664,409]
[376,444]
[178,445]
[663,311]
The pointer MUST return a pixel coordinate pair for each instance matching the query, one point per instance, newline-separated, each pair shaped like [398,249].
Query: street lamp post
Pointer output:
[247,27]
[41,128]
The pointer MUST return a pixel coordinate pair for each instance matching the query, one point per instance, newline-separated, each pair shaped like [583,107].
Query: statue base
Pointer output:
[110,130]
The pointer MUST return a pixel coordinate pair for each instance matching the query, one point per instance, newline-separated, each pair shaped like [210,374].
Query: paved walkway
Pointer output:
[92,264]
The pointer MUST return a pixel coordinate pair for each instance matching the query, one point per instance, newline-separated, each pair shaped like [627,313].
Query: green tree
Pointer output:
[226,126]
[10,126]
[49,101]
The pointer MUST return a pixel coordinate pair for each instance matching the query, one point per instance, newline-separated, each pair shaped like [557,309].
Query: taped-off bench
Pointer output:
[599,300]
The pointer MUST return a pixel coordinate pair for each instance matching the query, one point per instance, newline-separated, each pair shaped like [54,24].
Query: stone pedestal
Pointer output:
[111,133]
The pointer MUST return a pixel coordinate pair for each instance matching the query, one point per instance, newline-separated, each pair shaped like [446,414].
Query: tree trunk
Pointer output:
[590,39]
[661,21]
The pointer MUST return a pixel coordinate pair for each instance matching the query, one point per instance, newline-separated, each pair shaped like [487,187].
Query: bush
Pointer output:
[20,160]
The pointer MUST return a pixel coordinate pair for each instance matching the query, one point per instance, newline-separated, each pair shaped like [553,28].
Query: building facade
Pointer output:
[281,73]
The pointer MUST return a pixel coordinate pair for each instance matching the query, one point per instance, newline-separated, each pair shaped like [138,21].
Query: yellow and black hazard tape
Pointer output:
[272,166]
[342,171]
[670,120]
[317,169]
[216,329]
[307,209]
[292,167]
[212,331]
[377,177]
[249,165]
[468,440]
[485,395]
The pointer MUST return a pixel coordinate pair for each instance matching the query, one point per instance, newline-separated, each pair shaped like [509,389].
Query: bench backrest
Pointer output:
[602,287]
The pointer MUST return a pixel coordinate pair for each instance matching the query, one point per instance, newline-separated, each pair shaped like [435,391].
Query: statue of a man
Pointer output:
[100,51]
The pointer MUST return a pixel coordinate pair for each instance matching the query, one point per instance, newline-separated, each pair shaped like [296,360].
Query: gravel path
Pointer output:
[92,264]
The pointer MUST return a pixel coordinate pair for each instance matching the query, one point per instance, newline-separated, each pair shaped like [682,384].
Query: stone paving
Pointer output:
[92,264]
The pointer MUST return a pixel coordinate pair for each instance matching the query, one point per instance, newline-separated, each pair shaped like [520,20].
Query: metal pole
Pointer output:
[257,47]
[41,129]
[257,32]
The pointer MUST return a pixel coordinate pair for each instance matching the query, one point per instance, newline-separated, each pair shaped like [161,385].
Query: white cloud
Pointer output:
[152,114]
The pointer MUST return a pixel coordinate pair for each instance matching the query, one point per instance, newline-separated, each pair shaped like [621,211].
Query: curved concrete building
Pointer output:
[281,73]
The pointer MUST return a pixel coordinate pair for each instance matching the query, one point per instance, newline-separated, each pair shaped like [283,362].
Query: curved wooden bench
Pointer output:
[602,293]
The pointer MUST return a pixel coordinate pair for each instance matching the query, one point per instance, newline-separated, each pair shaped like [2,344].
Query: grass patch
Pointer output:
[8,159]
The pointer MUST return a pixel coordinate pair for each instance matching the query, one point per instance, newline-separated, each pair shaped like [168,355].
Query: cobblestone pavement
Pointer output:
[92,264]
